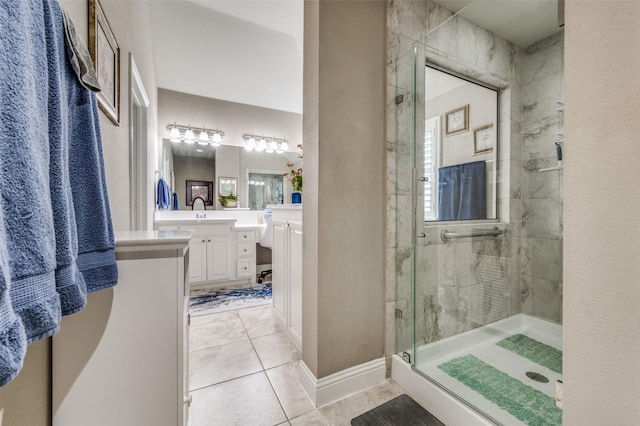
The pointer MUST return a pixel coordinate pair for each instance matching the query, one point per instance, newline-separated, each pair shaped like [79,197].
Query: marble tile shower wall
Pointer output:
[467,282]
[541,243]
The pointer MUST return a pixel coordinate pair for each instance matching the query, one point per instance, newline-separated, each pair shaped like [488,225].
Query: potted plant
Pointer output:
[295,177]
[230,200]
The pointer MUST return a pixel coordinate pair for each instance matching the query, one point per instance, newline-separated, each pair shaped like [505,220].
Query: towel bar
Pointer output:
[446,235]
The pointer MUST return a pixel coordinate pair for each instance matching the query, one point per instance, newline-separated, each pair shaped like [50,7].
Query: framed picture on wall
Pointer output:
[199,188]
[457,121]
[105,55]
[483,139]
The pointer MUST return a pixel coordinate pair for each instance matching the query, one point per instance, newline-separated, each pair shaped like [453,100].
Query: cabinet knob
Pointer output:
[209,240]
[244,236]
[203,241]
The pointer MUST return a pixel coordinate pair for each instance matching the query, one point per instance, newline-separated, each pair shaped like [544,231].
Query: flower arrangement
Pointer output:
[295,176]
[228,200]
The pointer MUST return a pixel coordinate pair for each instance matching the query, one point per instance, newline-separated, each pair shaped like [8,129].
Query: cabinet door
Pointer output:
[278,266]
[197,259]
[218,258]
[295,280]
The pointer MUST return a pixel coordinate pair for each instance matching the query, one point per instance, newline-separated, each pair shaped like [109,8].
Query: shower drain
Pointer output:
[537,377]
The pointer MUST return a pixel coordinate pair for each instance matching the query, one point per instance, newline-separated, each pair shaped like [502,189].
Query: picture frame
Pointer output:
[457,120]
[105,54]
[199,188]
[483,139]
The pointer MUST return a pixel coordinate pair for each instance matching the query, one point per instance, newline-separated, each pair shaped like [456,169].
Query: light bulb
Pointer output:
[216,139]
[204,136]
[251,144]
[262,145]
[174,133]
[189,136]
[284,146]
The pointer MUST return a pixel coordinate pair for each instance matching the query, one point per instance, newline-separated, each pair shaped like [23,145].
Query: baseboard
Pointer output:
[343,383]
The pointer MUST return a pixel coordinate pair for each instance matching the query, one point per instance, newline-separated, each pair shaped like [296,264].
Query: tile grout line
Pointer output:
[286,416]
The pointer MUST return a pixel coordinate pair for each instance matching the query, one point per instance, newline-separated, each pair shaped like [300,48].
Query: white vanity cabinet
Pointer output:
[246,254]
[123,359]
[211,249]
[220,250]
[287,270]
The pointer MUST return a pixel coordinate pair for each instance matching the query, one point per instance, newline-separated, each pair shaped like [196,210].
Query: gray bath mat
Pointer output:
[400,411]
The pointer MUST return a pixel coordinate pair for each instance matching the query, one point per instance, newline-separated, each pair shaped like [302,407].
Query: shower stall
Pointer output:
[477,208]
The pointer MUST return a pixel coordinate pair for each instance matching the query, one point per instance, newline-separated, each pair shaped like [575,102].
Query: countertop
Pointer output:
[127,239]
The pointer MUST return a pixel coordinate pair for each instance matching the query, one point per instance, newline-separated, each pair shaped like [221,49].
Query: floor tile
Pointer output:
[216,333]
[341,412]
[259,321]
[219,317]
[275,349]
[292,396]
[248,400]
[384,392]
[314,418]
[215,365]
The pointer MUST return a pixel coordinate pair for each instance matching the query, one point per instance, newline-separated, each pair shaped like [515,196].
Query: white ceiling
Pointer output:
[247,52]
[522,22]
[282,15]
[250,51]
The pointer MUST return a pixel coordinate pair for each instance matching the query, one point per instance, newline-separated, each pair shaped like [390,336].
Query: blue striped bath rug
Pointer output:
[212,300]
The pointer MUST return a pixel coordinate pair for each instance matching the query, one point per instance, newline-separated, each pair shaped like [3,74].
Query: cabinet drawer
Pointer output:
[246,236]
[245,268]
[245,250]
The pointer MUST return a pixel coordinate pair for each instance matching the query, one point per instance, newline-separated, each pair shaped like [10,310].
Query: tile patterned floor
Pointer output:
[244,371]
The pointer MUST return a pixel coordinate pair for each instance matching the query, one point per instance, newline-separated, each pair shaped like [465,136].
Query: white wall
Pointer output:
[207,53]
[483,107]
[234,119]
[601,220]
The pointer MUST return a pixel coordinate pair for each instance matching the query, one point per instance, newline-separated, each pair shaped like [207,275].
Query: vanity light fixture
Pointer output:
[179,133]
[265,143]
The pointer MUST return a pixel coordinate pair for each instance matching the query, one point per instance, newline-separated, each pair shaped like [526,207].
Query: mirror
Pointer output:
[265,188]
[227,186]
[459,148]
[254,177]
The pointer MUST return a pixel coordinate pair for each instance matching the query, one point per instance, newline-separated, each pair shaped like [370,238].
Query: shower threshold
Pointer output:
[427,381]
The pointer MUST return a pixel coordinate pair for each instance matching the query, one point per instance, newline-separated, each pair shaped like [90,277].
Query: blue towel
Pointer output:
[96,243]
[164,196]
[462,192]
[25,193]
[174,197]
[12,337]
[70,283]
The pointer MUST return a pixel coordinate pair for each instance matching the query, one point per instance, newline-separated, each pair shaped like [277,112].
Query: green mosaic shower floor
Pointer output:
[533,350]
[525,403]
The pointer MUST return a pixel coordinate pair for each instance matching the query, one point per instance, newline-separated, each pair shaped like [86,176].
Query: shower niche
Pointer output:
[478,227]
